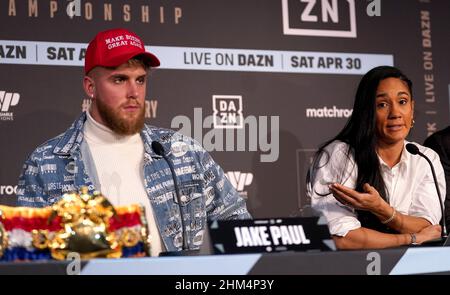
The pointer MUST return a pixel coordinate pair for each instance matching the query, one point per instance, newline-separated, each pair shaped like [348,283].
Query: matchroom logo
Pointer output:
[323,18]
[8,190]
[228,111]
[8,100]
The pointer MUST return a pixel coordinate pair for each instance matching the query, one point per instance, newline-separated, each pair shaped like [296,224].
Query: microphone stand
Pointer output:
[159,150]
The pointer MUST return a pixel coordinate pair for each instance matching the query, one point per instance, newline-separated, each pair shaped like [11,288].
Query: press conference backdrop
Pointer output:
[283,73]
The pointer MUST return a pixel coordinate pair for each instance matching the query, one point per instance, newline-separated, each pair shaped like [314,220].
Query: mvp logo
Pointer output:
[8,100]
[329,18]
[239,180]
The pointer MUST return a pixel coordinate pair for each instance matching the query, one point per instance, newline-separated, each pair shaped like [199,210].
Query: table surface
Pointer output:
[413,260]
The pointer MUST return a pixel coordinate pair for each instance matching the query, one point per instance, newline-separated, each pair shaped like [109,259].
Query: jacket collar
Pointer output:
[72,138]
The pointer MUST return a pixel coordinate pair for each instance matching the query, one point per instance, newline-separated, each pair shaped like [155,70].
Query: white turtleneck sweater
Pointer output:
[119,162]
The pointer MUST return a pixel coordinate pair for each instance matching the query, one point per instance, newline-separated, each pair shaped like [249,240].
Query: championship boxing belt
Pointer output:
[85,224]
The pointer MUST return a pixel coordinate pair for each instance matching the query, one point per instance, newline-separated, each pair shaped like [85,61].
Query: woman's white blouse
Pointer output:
[409,184]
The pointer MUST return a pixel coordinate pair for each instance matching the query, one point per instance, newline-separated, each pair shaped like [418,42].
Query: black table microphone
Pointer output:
[413,149]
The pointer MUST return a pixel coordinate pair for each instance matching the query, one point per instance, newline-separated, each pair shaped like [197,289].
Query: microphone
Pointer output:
[413,149]
[160,151]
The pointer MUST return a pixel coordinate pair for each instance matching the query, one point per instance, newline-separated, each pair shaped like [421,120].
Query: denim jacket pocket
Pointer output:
[189,192]
[194,207]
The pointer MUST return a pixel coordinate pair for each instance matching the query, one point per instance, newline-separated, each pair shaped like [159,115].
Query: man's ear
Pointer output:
[89,86]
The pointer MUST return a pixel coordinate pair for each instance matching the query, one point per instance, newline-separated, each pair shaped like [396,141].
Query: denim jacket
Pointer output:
[61,165]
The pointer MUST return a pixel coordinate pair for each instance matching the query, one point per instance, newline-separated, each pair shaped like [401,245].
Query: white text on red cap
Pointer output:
[119,41]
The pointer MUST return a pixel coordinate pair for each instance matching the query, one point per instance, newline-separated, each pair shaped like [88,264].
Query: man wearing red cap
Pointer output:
[110,149]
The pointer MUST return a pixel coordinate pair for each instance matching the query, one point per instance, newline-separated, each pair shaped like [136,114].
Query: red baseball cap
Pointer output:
[114,47]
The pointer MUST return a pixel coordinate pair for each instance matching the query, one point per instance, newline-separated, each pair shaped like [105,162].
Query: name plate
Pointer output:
[269,235]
